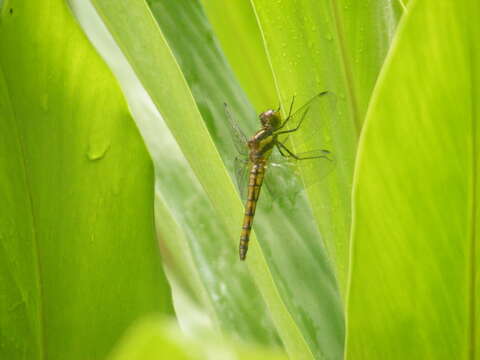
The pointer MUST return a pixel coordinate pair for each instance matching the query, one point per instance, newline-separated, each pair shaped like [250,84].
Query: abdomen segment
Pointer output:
[255,181]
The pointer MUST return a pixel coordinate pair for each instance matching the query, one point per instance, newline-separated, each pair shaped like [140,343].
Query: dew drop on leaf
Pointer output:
[97,150]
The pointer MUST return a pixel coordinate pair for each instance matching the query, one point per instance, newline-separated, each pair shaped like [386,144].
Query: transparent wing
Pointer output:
[238,137]
[313,121]
[241,176]
[322,98]
[315,164]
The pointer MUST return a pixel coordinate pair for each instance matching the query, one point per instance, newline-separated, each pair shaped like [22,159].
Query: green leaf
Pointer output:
[414,277]
[237,31]
[156,338]
[364,31]
[79,260]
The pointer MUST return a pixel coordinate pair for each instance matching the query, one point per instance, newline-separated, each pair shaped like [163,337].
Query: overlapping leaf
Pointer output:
[414,279]
[78,256]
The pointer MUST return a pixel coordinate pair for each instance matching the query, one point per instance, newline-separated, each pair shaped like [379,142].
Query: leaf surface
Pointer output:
[76,186]
[414,277]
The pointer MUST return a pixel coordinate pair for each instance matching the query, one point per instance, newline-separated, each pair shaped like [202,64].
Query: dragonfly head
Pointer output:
[270,119]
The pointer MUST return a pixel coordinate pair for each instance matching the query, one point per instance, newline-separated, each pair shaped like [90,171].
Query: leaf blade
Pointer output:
[87,173]
[419,235]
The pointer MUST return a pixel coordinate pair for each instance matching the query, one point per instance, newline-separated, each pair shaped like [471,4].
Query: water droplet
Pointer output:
[328,36]
[97,150]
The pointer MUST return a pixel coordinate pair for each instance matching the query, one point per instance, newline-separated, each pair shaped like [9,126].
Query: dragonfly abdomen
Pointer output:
[255,181]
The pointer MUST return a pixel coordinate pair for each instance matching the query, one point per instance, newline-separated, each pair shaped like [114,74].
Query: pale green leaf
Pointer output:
[414,275]
[78,256]
[156,338]
[237,31]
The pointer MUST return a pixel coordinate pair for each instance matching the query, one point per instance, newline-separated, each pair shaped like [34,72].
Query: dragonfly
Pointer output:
[256,154]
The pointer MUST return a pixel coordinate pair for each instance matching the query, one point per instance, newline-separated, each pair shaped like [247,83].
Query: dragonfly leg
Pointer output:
[281,146]
[280,149]
[289,113]
[291,108]
[296,128]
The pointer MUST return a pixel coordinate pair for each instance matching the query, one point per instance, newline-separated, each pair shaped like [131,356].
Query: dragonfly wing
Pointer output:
[284,175]
[241,176]
[313,121]
[281,182]
[238,137]
[320,100]
[319,163]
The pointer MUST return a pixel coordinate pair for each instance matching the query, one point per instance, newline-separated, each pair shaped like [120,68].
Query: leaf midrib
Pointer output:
[347,68]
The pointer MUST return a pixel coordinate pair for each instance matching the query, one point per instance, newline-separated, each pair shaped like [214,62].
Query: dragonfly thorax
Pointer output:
[270,119]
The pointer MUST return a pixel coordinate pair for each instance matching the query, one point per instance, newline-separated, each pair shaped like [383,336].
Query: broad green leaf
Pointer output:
[79,260]
[237,30]
[156,338]
[414,276]
[315,46]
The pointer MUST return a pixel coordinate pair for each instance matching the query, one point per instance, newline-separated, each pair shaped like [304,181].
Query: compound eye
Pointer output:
[265,114]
